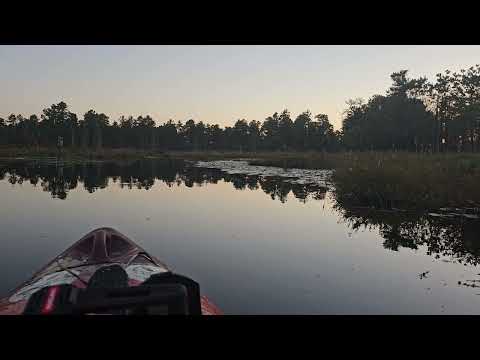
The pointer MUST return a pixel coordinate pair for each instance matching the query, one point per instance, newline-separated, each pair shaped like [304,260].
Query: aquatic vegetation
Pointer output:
[319,177]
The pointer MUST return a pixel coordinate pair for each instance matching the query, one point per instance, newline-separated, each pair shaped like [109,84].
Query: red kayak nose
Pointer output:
[77,265]
[104,245]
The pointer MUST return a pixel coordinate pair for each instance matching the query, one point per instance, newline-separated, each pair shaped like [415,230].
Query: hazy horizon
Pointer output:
[213,84]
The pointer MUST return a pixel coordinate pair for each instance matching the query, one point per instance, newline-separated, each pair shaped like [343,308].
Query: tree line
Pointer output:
[277,132]
[413,115]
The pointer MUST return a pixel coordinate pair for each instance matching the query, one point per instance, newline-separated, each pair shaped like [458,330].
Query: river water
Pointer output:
[259,241]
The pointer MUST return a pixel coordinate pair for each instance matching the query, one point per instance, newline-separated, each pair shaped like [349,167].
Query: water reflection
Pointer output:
[59,179]
[455,238]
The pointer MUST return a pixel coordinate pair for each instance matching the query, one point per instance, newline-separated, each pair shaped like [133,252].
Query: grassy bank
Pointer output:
[395,180]
[409,181]
[285,159]
[128,153]
[75,154]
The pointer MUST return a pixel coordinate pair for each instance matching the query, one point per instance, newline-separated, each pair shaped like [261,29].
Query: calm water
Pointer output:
[256,245]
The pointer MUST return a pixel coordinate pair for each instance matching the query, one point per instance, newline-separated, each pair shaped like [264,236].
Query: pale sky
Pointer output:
[214,84]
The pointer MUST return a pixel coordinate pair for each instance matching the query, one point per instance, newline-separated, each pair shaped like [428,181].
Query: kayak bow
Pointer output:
[84,268]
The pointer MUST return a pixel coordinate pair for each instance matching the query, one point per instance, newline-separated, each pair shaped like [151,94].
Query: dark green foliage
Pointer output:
[416,115]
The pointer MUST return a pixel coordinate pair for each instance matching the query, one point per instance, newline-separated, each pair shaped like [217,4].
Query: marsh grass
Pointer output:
[76,153]
[409,181]
[394,180]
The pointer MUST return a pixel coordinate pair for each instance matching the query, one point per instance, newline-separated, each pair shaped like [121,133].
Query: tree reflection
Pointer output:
[59,178]
[456,238]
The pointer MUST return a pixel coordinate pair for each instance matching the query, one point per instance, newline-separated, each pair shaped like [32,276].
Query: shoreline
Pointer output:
[382,180]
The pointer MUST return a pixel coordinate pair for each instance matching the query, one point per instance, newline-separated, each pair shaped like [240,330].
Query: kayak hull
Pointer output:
[76,265]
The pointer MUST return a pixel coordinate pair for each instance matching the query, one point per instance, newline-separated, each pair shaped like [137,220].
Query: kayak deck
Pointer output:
[77,264]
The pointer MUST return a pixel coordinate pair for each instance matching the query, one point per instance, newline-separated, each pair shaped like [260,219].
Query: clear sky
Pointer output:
[215,84]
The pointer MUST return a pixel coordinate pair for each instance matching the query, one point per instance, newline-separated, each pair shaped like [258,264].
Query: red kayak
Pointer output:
[107,273]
